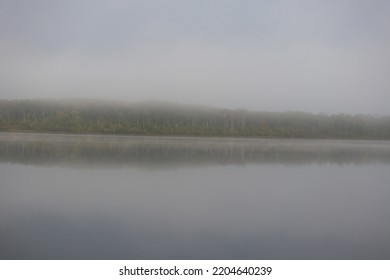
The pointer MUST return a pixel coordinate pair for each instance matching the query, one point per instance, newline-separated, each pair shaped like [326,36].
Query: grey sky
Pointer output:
[317,56]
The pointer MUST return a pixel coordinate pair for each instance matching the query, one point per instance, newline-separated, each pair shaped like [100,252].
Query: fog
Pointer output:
[314,56]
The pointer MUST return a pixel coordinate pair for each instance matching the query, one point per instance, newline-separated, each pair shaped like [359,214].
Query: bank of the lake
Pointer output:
[159,119]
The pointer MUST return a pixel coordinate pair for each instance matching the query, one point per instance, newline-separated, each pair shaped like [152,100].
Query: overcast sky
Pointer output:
[316,56]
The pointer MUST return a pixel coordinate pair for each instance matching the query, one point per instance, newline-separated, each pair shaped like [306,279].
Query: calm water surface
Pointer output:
[113,197]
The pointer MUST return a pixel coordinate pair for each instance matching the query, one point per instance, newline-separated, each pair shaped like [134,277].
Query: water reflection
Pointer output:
[155,152]
[235,198]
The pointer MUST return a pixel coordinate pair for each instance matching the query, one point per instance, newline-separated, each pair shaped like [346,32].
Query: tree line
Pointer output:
[108,117]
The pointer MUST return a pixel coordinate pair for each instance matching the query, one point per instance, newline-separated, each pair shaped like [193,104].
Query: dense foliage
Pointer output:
[169,119]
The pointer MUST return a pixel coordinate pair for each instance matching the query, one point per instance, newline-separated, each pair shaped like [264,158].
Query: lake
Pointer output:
[133,197]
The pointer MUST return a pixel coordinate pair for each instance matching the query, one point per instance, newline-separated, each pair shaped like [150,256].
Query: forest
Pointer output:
[154,118]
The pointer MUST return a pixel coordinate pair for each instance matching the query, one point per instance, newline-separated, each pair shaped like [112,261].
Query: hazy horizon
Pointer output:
[172,104]
[312,56]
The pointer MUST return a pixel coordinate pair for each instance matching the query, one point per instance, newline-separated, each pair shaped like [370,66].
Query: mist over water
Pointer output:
[99,197]
[97,151]
[125,197]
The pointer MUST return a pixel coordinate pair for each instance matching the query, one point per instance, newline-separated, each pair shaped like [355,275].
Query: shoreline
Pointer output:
[166,136]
